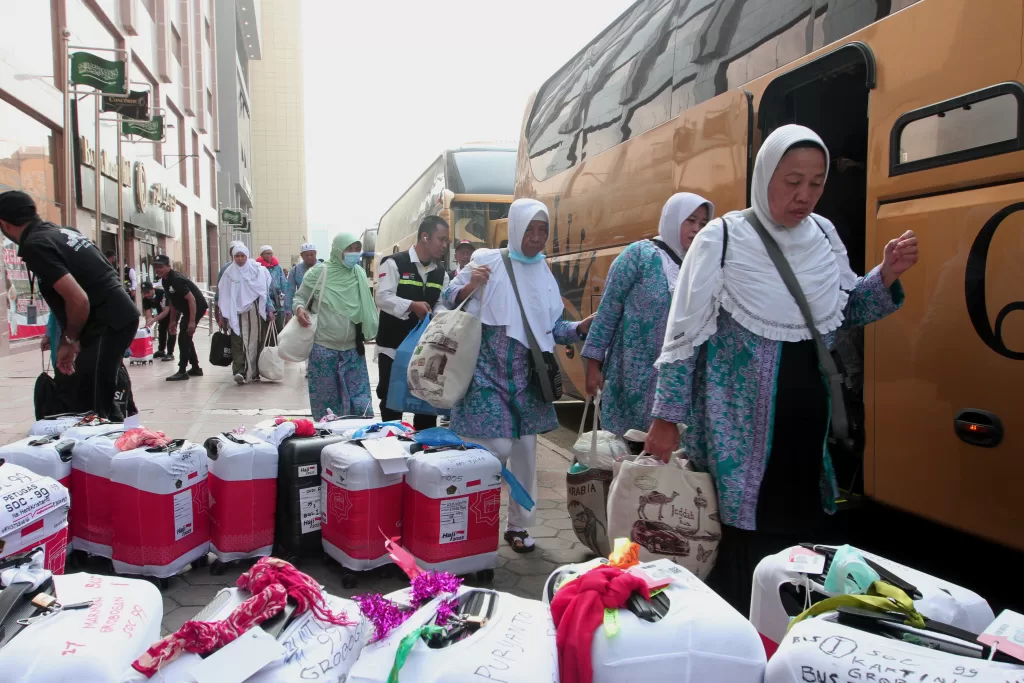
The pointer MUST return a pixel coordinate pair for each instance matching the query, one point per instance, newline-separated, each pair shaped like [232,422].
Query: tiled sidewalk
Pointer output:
[204,406]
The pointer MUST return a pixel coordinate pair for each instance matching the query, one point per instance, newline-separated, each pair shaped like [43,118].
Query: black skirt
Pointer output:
[789,508]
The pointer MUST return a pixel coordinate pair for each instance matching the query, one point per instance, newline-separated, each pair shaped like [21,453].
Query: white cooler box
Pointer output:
[315,650]
[160,518]
[34,514]
[515,645]
[820,649]
[97,644]
[451,508]
[91,525]
[47,456]
[775,587]
[56,424]
[693,636]
[243,496]
[360,505]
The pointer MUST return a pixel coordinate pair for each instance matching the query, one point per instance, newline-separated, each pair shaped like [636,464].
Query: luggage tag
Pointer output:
[389,454]
[239,659]
[805,561]
[1005,634]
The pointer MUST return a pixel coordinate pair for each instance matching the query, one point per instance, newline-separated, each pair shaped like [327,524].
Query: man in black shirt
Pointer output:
[187,303]
[153,303]
[97,317]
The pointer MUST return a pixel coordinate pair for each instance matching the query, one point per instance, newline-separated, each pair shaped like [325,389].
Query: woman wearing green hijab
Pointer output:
[346,314]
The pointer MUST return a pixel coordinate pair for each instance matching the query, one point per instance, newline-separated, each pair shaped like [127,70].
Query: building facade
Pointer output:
[278,133]
[168,190]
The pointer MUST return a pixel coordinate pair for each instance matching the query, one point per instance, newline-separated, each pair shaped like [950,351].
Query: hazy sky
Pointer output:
[389,85]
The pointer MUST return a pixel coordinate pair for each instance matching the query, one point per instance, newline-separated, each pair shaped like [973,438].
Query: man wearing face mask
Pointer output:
[84,293]
[409,287]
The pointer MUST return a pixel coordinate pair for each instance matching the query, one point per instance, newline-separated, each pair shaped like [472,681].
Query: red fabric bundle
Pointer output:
[303,427]
[263,262]
[578,610]
[139,437]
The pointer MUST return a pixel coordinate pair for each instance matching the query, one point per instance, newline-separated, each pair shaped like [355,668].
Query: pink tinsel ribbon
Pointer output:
[271,581]
[386,615]
[139,437]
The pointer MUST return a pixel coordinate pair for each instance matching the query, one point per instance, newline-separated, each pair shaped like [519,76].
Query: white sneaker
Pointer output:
[239,379]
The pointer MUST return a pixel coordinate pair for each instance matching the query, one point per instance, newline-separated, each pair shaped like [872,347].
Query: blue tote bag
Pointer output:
[399,397]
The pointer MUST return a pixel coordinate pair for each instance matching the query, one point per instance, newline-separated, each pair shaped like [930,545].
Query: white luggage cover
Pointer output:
[346,425]
[93,427]
[701,639]
[47,456]
[160,518]
[96,644]
[55,425]
[820,649]
[243,496]
[360,505]
[516,644]
[91,525]
[316,650]
[941,600]
[34,514]
[451,510]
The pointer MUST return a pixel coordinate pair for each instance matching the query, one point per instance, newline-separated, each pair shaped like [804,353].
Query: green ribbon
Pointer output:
[611,622]
[405,647]
[880,597]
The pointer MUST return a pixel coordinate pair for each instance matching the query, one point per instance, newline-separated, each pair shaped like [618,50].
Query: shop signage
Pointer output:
[108,166]
[232,217]
[151,130]
[134,105]
[104,75]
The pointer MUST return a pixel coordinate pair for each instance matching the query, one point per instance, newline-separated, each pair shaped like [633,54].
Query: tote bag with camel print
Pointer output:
[669,510]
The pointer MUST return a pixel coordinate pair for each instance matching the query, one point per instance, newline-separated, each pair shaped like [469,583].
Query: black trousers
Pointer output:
[166,342]
[420,422]
[96,367]
[186,346]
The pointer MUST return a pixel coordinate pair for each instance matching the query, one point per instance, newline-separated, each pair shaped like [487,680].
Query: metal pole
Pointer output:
[69,141]
[121,258]
[98,166]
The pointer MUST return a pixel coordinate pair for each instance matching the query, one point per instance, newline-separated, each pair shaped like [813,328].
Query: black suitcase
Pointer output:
[297,525]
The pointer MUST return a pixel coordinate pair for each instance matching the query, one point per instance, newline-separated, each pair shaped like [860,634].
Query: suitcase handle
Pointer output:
[883,573]
[169,448]
[43,440]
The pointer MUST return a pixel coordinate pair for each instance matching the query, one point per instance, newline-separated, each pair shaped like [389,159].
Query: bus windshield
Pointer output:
[475,221]
[484,171]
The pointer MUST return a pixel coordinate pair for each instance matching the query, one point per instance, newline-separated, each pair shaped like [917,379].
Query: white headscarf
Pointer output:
[677,209]
[265,247]
[537,287]
[241,286]
[749,287]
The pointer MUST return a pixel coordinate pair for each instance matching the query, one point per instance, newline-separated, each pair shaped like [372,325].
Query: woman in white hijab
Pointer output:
[739,365]
[504,408]
[243,301]
[627,333]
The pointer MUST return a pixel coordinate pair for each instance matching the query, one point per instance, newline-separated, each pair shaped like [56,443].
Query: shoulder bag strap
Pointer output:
[318,287]
[840,427]
[538,357]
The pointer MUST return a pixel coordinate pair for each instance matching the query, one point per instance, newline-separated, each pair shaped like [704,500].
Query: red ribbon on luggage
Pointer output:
[272,581]
[578,610]
[303,427]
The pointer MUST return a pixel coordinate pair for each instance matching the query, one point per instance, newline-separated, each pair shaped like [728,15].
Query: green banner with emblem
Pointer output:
[233,217]
[151,130]
[103,74]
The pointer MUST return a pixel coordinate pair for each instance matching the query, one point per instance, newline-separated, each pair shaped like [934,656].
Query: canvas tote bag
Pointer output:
[598,448]
[670,510]
[295,342]
[443,362]
[271,365]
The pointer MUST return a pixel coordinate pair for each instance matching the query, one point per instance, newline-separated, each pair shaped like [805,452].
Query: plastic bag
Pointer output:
[399,397]
[598,449]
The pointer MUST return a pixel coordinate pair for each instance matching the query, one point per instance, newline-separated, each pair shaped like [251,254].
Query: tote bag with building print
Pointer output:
[443,362]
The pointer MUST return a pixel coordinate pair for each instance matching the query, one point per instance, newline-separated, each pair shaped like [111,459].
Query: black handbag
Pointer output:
[220,349]
[544,368]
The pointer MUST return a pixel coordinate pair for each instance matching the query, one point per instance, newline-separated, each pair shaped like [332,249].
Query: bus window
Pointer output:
[973,126]
[475,220]
[483,171]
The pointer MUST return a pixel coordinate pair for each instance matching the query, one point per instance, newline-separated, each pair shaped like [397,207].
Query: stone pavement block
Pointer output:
[531,564]
[559,523]
[174,619]
[196,596]
[564,556]
[542,531]
[532,587]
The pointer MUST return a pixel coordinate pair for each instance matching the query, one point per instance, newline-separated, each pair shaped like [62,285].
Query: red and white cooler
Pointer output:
[48,456]
[91,525]
[451,509]
[359,506]
[142,346]
[159,509]
[96,644]
[243,495]
[774,585]
[34,514]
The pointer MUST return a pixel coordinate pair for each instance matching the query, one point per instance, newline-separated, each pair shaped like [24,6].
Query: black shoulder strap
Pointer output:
[820,226]
[538,356]
[725,239]
[668,250]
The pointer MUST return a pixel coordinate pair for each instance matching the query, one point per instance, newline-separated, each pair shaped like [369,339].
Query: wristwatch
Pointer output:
[69,340]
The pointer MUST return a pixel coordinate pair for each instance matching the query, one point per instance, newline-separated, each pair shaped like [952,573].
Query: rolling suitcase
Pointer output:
[91,527]
[297,529]
[345,425]
[515,644]
[686,633]
[452,499]
[34,515]
[779,594]
[315,650]
[159,513]
[95,644]
[825,649]
[47,456]
[142,347]
[361,507]
[243,497]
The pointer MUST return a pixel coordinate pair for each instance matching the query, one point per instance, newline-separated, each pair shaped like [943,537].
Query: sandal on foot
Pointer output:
[517,541]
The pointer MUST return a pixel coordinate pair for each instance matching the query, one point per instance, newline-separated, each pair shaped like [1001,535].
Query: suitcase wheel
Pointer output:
[217,568]
[485,575]
[164,583]
[349,581]
[202,561]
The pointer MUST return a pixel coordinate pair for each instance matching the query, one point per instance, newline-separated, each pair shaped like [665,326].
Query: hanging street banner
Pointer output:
[104,75]
[151,130]
[232,217]
[134,105]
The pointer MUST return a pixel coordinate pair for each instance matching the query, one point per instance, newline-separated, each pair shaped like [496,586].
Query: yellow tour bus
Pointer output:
[921,105]
[470,187]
